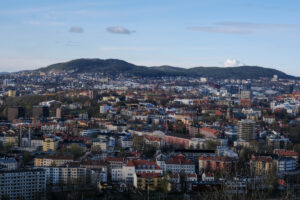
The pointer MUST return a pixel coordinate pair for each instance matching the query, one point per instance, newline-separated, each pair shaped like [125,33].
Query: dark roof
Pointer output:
[194,151]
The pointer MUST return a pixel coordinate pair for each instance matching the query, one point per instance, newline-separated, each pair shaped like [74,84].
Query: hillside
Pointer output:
[116,67]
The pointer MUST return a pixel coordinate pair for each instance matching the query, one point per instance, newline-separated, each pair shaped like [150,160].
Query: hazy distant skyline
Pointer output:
[190,33]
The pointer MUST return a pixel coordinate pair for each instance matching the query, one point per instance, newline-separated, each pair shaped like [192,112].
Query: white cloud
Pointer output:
[232,63]
[119,30]
[76,29]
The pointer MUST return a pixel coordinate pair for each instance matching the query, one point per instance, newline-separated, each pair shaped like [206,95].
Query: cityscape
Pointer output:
[116,125]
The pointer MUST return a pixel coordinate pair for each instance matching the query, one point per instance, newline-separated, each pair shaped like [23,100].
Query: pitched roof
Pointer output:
[148,175]
[143,164]
[179,159]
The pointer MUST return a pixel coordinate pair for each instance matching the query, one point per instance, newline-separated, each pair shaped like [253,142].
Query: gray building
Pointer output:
[27,184]
[246,130]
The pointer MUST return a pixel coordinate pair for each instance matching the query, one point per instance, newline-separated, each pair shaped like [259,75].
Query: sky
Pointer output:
[183,33]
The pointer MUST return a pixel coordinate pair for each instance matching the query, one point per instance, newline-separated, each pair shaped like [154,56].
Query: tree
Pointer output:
[270,179]
[27,157]
[211,144]
[1,148]
[164,185]
[8,147]
[297,148]
[75,150]
[96,148]
[138,142]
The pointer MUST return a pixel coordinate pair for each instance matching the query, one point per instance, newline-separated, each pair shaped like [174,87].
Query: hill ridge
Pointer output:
[116,67]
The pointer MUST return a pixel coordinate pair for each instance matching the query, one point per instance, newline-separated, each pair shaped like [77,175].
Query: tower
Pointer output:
[246,130]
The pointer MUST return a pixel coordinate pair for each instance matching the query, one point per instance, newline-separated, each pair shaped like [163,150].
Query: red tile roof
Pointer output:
[192,175]
[149,175]
[217,158]
[261,158]
[109,159]
[152,138]
[285,152]
[179,159]
[209,130]
[143,164]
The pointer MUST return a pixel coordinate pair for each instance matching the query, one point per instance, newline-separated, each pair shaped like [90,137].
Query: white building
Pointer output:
[225,151]
[139,166]
[126,143]
[8,163]
[179,163]
[117,174]
[285,164]
[67,175]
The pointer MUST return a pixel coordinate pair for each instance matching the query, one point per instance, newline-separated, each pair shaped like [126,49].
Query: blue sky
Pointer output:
[185,33]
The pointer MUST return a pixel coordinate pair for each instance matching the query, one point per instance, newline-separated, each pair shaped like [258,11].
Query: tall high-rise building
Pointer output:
[245,98]
[246,130]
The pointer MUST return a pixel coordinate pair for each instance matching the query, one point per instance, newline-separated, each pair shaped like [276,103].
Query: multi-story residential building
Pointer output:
[177,141]
[115,162]
[179,163]
[116,174]
[8,163]
[134,167]
[285,164]
[99,143]
[160,160]
[27,184]
[154,141]
[49,161]
[191,177]
[208,132]
[269,119]
[104,108]
[225,151]
[11,139]
[194,130]
[36,142]
[50,144]
[67,175]
[261,165]
[207,176]
[277,142]
[286,153]
[116,168]
[99,170]
[148,181]
[126,143]
[197,143]
[214,163]
[194,154]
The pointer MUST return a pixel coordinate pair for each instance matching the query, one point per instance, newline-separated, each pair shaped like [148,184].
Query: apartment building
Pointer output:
[27,184]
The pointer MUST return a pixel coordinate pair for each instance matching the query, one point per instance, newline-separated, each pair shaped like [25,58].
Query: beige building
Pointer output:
[50,144]
[52,161]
